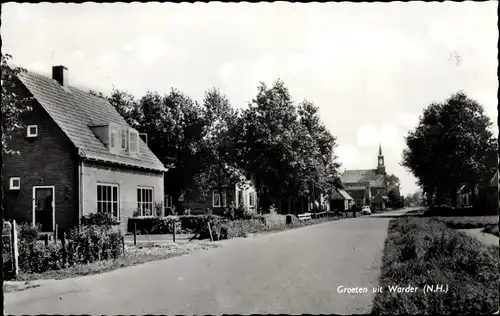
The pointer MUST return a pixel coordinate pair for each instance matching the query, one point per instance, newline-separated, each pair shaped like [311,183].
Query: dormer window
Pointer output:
[133,141]
[32,131]
[113,138]
[123,139]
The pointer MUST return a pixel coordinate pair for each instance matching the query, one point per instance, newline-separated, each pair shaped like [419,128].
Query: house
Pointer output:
[364,185]
[488,193]
[340,200]
[464,194]
[77,156]
[243,193]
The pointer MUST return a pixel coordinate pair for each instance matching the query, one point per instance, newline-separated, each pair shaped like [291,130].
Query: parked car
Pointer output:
[366,210]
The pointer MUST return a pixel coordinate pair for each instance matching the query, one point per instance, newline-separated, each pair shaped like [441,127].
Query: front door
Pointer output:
[43,208]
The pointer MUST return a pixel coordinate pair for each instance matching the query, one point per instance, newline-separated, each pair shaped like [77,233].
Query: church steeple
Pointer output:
[380,165]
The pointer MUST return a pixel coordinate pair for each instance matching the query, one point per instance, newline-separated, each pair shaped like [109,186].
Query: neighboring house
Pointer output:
[77,156]
[488,193]
[364,185]
[243,194]
[464,195]
[379,201]
[340,200]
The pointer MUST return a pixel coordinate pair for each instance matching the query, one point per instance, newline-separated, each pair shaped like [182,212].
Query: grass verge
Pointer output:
[134,255]
[466,222]
[423,251]
[491,230]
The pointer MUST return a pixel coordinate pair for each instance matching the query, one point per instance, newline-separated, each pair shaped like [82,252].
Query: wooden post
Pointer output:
[210,231]
[46,236]
[63,244]
[173,223]
[135,233]
[15,250]
[55,234]
[123,245]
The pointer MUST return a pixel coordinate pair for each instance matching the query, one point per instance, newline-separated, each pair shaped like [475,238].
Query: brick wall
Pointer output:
[127,180]
[47,160]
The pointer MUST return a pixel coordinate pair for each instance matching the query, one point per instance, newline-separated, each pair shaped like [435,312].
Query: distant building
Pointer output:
[368,186]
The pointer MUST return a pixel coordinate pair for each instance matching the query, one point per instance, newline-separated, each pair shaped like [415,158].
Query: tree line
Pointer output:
[452,145]
[283,145]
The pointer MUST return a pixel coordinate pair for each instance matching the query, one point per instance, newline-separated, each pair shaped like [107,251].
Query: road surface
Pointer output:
[291,272]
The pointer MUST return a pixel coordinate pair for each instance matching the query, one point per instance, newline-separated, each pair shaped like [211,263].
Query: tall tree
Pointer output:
[393,180]
[220,160]
[452,144]
[14,103]
[268,127]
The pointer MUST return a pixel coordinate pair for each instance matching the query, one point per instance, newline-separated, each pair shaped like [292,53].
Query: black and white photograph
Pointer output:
[214,158]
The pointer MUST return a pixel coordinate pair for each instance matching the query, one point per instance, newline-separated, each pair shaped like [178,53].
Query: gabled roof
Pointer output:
[378,198]
[356,194]
[74,111]
[370,175]
[345,195]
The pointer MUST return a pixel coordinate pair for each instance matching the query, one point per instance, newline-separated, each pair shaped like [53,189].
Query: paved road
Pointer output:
[291,272]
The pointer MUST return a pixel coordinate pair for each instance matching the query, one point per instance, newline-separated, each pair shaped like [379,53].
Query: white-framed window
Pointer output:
[168,201]
[145,201]
[123,139]
[216,202]
[15,183]
[133,141]
[32,131]
[113,137]
[251,199]
[107,199]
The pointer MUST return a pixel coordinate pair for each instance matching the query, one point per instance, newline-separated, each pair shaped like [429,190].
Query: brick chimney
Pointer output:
[60,74]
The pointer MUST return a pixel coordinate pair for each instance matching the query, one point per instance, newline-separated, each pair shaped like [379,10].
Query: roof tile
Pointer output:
[74,111]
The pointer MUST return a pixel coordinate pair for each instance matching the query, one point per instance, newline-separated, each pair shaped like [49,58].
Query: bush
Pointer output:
[99,219]
[89,244]
[153,225]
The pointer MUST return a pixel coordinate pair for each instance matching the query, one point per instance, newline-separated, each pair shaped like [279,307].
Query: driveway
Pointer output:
[290,272]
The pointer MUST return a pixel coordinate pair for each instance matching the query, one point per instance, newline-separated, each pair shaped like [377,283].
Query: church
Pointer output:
[369,186]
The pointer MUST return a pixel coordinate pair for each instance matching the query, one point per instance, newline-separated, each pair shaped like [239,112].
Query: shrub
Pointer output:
[90,243]
[99,219]
[153,225]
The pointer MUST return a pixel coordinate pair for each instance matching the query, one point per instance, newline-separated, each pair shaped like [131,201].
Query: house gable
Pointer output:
[49,159]
[76,112]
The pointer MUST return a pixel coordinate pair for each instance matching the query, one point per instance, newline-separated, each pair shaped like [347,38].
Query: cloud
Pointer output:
[226,73]
[407,119]
[109,59]
[150,49]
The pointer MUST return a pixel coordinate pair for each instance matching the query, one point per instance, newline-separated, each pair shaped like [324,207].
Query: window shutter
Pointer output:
[134,142]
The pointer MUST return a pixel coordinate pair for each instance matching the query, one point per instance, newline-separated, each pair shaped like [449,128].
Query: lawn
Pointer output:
[134,255]
[420,251]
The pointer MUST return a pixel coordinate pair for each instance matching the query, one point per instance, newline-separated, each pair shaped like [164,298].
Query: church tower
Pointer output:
[380,165]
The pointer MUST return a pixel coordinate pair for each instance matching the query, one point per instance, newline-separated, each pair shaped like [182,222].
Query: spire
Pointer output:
[379,149]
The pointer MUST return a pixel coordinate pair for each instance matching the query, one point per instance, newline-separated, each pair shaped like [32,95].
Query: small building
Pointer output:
[488,192]
[77,155]
[340,200]
[464,194]
[243,193]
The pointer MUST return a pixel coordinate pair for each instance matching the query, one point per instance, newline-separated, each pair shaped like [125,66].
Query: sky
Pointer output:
[371,68]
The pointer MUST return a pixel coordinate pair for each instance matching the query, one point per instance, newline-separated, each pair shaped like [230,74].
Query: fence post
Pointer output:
[63,244]
[55,234]
[15,250]
[210,231]
[123,244]
[135,233]
[46,238]
[173,223]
